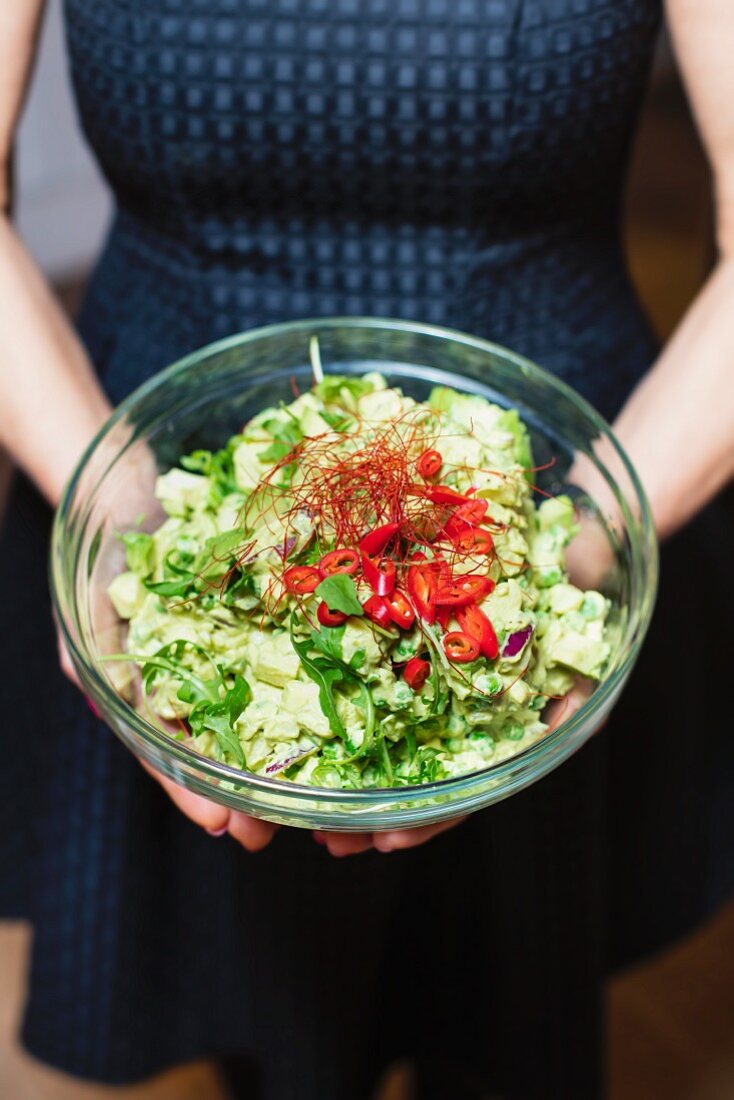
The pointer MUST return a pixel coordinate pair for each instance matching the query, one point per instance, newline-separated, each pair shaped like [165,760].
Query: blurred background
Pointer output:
[671,1021]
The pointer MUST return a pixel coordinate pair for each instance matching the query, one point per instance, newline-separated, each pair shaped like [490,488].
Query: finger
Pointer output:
[247,831]
[209,815]
[347,844]
[250,832]
[411,838]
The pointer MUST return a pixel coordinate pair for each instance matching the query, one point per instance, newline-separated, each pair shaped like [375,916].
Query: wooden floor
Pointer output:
[671,1022]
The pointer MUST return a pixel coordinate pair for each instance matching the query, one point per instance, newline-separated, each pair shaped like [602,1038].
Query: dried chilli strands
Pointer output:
[348,488]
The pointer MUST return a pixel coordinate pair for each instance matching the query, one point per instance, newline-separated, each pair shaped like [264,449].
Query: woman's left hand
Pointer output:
[351,844]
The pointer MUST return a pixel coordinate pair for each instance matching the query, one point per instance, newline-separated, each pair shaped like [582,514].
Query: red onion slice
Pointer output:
[286,761]
[517,642]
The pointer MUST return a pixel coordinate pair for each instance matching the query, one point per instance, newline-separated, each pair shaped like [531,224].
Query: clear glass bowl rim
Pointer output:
[64,607]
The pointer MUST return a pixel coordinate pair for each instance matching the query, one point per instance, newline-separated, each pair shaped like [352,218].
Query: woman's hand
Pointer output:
[250,832]
[351,844]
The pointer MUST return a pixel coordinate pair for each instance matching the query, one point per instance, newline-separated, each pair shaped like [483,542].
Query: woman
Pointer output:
[455,161]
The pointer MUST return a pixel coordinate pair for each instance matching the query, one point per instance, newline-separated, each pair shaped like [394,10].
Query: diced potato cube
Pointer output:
[179,490]
[273,659]
[127,594]
[565,597]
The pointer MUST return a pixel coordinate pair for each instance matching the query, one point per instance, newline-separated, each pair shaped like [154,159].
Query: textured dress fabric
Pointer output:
[459,162]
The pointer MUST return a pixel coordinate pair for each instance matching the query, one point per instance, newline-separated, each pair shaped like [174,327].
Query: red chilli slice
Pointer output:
[416,673]
[401,612]
[327,617]
[439,494]
[460,647]
[339,561]
[474,510]
[466,515]
[301,579]
[421,589]
[377,609]
[463,591]
[475,623]
[474,540]
[429,463]
[443,616]
[376,541]
[381,575]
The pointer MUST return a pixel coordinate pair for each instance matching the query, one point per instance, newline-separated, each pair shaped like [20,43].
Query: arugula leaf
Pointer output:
[329,640]
[219,718]
[238,697]
[214,707]
[214,721]
[213,561]
[430,768]
[339,593]
[169,658]
[386,761]
[178,579]
[357,659]
[285,438]
[367,704]
[216,555]
[326,674]
[440,699]
[178,587]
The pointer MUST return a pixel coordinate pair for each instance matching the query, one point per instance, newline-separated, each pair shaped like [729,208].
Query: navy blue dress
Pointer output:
[455,161]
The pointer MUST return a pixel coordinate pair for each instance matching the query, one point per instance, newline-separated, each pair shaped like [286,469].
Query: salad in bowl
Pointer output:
[380,593]
[360,590]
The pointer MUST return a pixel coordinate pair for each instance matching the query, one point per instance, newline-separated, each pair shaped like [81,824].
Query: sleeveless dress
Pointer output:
[455,161]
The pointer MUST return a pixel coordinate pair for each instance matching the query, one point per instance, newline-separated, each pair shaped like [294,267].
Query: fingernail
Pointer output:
[92,707]
[217,832]
[320,839]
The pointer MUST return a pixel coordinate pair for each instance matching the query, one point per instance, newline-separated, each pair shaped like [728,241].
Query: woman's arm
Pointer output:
[50,402]
[678,425]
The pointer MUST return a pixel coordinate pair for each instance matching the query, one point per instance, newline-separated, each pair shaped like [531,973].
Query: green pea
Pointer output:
[512,730]
[489,683]
[548,576]
[593,606]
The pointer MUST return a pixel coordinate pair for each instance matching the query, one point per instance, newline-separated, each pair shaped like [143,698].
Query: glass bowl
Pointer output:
[203,400]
